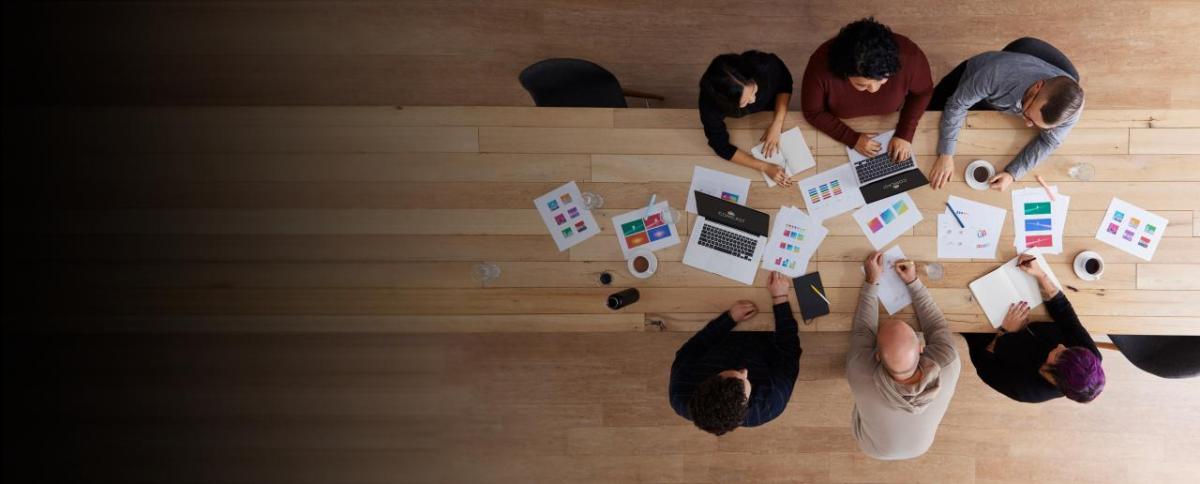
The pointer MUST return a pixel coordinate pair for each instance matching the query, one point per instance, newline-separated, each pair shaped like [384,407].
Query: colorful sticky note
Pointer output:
[875,225]
[1144,242]
[1037,208]
[1113,228]
[560,219]
[580,226]
[1037,224]
[654,220]
[573,212]
[567,232]
[1134,222]
[660,232]
[566,198]
[553,204]
[1118,216]
[1128,235]
[1039,241]
[888,216]
[633,227]
[1150,229]
[900,207]
[637,239]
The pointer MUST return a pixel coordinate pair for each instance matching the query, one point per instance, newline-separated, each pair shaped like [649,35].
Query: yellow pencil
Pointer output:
[822,296]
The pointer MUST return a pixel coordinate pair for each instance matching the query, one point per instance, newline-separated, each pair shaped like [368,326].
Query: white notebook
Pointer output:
[793,154]
[1008,285]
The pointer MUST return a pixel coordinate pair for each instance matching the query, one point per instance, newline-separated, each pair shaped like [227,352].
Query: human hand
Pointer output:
[942,169]
[1001,182]
[1016,318]
[743,310]
[873,266]
[770,139]
[1028,263]
[778,285]
[900,149]
[777,174]
[866,145]
[907,270]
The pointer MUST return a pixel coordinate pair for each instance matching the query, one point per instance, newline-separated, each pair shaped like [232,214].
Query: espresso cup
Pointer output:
[642,264]
[978,173]
[1088,265]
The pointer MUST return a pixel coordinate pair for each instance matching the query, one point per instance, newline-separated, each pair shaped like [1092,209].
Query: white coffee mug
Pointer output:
[969,174]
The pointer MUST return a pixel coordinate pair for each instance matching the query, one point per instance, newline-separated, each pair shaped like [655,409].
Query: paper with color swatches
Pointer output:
[831,192]
[979,235]
[886,219]
[1131,229]
[1038,221]
[793,241]
[731,188]
[565,216]
[645,229]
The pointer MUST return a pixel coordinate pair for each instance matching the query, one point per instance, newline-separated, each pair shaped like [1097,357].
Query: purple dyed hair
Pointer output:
[1078,374]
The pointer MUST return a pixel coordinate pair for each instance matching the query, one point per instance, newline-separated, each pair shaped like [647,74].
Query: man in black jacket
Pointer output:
[722,380]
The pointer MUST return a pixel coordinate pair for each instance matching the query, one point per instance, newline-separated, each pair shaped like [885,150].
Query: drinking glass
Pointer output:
[1082,171]
[935,271]
[592,200]
[483,272]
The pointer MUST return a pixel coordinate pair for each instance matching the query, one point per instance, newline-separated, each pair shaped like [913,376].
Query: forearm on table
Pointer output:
[781,108]
[742,158]
[1047,287]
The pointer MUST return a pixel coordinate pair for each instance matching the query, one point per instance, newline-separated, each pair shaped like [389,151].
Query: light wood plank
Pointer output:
[587,140]
[1167,277]
[958,274]
[1096,141]
[1176,141]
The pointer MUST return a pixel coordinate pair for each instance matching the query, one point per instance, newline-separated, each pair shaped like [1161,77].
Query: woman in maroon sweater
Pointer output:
[867,70]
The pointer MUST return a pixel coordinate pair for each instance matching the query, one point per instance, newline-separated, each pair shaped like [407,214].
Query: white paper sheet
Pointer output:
[1008,285]
[979,236]
[642,229]
[887,219]
[1131,229]
[882,138]
[1038,221]
[718,184]
[793,154]
[568,221]
[831,192]
[794,239]
[893,293]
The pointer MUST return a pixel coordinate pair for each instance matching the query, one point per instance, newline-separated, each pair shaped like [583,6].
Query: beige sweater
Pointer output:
[890,420]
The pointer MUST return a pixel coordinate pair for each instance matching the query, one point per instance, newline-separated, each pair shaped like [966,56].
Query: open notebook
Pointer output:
[1008,285]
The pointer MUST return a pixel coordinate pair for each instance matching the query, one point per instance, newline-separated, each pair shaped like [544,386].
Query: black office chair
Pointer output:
[1044,51]
[1164,356]
[576,83]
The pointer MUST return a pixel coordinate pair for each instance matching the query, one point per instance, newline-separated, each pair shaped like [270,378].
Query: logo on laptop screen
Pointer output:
[731,215]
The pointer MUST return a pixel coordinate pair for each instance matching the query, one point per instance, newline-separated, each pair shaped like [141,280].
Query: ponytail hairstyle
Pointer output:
[725,80]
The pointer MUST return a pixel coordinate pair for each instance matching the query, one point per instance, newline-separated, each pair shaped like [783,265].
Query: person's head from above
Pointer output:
[731,82]
[1050,102]
[1076,371]
[719,404]
[865,54]
[898,349]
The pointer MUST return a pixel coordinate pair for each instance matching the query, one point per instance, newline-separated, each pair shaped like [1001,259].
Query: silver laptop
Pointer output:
[728,239]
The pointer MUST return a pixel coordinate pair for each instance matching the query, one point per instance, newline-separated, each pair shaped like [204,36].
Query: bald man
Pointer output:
[901,387]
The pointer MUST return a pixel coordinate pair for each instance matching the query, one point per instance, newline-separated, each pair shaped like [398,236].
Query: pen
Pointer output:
[1047,188]
[653,196]
[822,296]
[956,219]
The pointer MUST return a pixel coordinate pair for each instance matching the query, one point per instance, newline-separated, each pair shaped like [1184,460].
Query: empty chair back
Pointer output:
[574,83]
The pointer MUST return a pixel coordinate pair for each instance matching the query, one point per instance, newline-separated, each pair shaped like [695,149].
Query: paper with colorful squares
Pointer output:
[886,219]
[793,241]
[831,192]
[641,229]
[1131,229]
[565,216]
[1039,221]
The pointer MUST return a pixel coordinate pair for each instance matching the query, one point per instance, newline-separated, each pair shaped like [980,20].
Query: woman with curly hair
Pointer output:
[1036,362]
[867,70]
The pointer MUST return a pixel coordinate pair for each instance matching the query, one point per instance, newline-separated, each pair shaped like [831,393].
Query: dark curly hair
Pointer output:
[719,405]
[726,78]
[865,48]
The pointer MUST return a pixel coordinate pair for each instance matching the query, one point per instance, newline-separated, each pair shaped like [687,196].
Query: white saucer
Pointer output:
[1081,272]
[649,257]
[971,168]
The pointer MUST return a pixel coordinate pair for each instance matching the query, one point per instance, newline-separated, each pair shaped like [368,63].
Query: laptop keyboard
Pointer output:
[728,242]
[880,166]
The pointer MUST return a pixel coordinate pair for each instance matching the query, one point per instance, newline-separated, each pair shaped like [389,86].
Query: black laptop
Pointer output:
[885,178]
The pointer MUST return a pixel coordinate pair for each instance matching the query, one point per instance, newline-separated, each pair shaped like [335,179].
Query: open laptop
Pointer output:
[879,177]
[727,239]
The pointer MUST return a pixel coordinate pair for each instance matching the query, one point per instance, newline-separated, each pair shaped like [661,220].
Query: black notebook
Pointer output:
[811,304]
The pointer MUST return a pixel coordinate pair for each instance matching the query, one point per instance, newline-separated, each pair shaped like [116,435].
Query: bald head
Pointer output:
[898,348]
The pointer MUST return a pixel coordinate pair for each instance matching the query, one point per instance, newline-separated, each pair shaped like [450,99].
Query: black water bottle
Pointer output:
[624,298]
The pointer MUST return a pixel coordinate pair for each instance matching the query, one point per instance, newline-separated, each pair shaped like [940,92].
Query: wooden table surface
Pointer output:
[371,218]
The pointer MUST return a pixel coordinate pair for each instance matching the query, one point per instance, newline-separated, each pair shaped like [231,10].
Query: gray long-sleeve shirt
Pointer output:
[891,420]
[1000,79]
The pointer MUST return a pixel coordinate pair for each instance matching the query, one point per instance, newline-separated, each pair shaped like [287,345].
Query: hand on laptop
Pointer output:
[867,146]
[899,149]
[743,310]
[942,169]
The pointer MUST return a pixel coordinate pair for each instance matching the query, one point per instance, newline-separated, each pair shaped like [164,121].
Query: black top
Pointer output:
[772,360]
[1013,367]
[773,79]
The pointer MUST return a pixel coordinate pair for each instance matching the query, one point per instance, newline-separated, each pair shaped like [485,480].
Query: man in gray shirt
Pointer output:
[901,387]
[1018,84]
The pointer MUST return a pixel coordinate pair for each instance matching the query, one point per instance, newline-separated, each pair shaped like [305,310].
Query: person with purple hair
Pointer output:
[1037,362]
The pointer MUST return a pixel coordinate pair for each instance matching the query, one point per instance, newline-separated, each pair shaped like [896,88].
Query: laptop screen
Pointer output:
[732,215]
